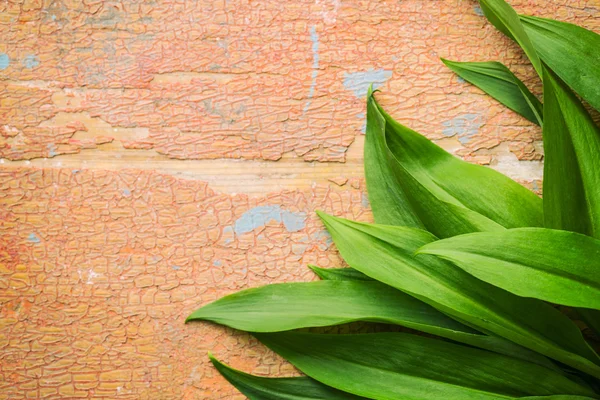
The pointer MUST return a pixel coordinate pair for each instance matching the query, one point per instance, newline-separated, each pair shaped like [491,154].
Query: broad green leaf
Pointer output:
[570,51]
[388,201]
[261,388]
[506,20]
[498,81]
[339,274]
[572,163]
[558,397]
[448,195]
[402,366]
[386,253]
[287,306]
[571,168]
[557,266]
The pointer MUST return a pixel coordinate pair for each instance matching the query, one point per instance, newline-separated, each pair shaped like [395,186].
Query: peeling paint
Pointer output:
[32,238]
[508,164]
[358,82]
[364,201]
[318,236]
[4,61]
[51,150]
[31,61]
[314,37]
[464,126]
[260,216]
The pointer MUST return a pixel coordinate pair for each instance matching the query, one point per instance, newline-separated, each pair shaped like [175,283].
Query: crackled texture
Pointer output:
[137,173]
[234,79]
[98,271]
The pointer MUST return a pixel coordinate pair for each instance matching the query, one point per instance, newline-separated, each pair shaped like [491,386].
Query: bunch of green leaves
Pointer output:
[459,252]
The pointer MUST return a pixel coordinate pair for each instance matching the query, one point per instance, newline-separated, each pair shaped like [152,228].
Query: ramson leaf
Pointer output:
[558,397]
[391,366]
[499,82]
[571,168]
[389,202]
[287,306]
[261,388]
[447,195]
[570,51]
[385,253]
[572,162]
[339,274]
[557,266]
[506,20]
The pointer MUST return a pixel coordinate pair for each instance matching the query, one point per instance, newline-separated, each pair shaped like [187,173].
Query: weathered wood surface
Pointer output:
[156,155]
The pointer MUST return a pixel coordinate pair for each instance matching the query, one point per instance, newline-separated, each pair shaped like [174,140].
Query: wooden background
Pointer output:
[157,155]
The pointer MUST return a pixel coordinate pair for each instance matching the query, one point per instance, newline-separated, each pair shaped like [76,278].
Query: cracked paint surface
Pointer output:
[206,80]
[161,122]
[94,302]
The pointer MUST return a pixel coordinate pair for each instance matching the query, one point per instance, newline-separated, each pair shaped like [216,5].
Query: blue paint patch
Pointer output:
[323,235]
[32,238]
[126,192]
[75,171]
[217,263]
[4,61]
[176,267]
[364,201]
[299,249]
[464,126]
[228,230]
[259,216]
[460,80]
[51,149]
[478,10]
[363,128]
[315,69]
[358,82]
[31,61]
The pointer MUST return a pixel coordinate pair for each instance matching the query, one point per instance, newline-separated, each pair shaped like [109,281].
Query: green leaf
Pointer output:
[403,366]
[448,195]
[558,397]
[560,267]
[572,163]
[571,168]
[385,253]
[506,20]
[591,319]
[388,201]
[499,82]
[339,274]
[287,306]
[570,51]
[260,388]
